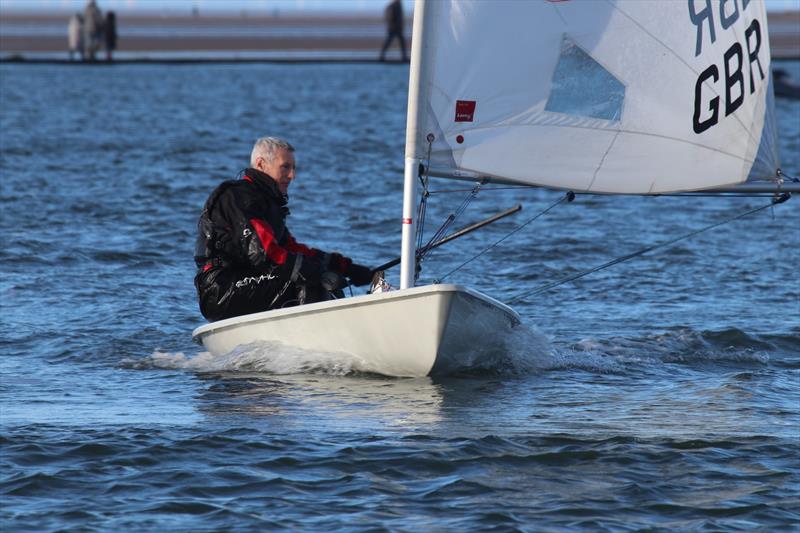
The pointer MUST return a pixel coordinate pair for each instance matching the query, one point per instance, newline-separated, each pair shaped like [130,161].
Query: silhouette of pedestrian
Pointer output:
[393,14]
[75,36]
[110,34]
[92,29]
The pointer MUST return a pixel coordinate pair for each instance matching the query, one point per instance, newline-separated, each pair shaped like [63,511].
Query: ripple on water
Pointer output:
[657,394]
[145,470]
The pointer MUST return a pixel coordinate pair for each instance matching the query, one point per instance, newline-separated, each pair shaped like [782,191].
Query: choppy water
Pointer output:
[660,394]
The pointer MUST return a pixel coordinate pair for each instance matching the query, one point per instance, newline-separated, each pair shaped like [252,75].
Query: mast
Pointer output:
[417,79]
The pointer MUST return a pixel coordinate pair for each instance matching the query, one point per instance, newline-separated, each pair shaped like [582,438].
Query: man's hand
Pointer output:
[359,275]
[331,281]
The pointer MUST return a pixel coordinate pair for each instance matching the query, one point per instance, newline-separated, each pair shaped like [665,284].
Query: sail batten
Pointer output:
[619,96]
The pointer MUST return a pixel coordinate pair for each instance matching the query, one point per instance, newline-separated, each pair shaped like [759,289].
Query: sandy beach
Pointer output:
[219,36]
[164,36]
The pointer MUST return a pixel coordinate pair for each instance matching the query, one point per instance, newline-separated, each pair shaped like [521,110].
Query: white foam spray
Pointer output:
[526,350]
[267,357]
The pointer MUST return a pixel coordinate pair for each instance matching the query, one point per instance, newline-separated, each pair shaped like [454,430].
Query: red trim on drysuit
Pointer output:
[299,248]
[275,251]
[278,253]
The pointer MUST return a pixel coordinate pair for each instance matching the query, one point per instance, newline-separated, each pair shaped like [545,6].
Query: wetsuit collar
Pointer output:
[265,182]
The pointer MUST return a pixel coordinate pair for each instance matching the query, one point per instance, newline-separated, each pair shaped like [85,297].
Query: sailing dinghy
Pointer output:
[590,96]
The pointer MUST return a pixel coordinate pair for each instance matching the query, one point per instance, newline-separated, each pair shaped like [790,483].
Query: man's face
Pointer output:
[281,168]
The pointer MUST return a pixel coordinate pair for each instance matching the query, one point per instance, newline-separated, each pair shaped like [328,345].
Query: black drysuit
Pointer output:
[246,257]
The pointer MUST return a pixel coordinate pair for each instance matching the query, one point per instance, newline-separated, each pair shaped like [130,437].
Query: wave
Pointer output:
[527,351]
[250,476]
[680,345]
[264,357]
[685,346]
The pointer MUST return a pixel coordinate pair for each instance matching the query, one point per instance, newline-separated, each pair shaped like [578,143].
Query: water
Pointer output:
[659,394]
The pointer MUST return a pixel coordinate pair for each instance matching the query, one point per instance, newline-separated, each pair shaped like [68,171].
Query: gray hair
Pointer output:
[266,147]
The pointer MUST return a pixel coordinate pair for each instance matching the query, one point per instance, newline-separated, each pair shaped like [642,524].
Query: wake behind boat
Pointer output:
[608,96]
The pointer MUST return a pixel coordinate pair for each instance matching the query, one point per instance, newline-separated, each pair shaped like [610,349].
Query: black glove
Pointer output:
[331,281]
[359,275]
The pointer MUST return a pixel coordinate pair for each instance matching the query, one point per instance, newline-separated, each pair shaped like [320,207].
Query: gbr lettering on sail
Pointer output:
[737,72]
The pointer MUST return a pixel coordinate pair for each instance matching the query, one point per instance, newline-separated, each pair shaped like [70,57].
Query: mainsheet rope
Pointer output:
[538,290]
[569,197]
[793,179]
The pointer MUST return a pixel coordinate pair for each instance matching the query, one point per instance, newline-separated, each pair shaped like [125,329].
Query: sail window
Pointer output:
[581,86]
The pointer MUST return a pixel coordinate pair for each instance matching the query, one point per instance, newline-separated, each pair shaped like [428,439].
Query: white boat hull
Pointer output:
[436,329]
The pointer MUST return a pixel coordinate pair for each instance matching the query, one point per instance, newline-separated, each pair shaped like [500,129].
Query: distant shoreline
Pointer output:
[192,61]
[34,38]
[182,39]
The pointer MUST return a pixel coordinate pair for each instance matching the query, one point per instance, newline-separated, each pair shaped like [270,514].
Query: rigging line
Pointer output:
[569,196]
[538,290]
[466,201]
[421,210]
[448,222]
[423,201]
[436,236]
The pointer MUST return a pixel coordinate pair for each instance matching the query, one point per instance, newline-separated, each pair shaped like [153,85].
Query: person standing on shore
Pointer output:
[110,34]
[75,36]
[393,15]
[92,29]
[247,260]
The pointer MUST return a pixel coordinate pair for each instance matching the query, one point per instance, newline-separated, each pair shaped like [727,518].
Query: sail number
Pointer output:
[735,61]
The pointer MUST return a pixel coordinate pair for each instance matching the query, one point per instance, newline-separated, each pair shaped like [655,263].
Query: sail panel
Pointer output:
[617,96]
[575,71]
[768,155]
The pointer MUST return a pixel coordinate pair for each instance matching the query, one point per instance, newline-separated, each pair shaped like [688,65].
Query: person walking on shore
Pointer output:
[75,36]
[393,15]
[110,34]
[92,29]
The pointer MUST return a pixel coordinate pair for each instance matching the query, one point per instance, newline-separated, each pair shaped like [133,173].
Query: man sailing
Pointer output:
[247,259]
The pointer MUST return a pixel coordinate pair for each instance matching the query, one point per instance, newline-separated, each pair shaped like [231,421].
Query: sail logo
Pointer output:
[465,110]
[736,61]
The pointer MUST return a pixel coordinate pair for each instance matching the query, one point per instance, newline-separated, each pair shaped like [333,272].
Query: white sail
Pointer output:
[607,96]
